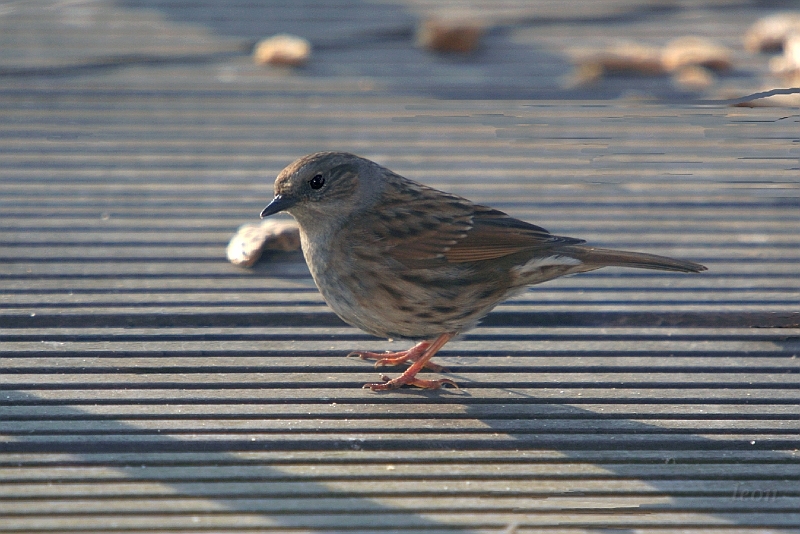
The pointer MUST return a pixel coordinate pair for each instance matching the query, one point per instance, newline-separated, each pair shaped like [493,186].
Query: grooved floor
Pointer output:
[147,385]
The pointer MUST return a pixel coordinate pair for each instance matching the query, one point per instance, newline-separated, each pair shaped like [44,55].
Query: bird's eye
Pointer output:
[317,181]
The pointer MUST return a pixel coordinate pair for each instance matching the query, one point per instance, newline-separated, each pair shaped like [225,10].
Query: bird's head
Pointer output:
[324,188]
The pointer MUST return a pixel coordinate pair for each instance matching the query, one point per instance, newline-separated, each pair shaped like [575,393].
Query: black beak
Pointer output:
[279,203]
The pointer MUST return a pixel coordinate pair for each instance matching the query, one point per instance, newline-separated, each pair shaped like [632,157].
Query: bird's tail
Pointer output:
[594,258]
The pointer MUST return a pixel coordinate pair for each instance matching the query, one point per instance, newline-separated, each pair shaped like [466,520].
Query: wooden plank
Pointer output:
[146,385]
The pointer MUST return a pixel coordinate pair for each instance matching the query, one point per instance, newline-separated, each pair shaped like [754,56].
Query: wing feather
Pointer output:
[419,223]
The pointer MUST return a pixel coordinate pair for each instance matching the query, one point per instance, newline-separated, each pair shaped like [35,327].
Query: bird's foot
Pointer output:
[410,380]
[421,355]
[396,358]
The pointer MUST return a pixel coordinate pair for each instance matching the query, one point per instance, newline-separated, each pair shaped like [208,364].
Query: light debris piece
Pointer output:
[693,78]
[695,51]
[690,59]
[621,58]
[252,239]
[282,49]
[454,36]
[768,34]
[789,63]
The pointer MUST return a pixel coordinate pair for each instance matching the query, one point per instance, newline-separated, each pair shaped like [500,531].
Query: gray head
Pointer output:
[326,187]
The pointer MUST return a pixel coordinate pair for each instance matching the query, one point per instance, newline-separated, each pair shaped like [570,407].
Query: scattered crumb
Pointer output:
[454,36]
[769,33]
[695,51]
[282,49]
[252,239]
[624,57]
[693,78]
[788,64]
[691,60]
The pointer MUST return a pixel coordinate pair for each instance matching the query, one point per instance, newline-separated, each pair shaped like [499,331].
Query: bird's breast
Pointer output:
[368,289]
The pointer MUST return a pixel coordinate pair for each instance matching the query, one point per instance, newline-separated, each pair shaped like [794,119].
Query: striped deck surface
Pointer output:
[148,385]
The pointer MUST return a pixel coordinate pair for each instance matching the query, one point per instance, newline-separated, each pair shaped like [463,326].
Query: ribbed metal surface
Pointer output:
[147,385]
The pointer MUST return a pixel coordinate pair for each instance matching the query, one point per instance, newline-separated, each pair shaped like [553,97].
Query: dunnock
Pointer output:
[399,259]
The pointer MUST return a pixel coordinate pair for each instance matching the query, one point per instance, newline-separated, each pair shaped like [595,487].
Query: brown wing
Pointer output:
[418,223]
[495,234]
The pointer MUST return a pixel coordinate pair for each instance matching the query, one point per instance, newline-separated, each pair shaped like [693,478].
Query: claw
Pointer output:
[398,382]
[420,354]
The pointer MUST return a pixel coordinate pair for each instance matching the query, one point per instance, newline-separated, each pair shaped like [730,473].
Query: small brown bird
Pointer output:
[399,259]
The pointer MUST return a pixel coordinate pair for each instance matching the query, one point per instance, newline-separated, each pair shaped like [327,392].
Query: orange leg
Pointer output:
[395,358]
[409,377]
